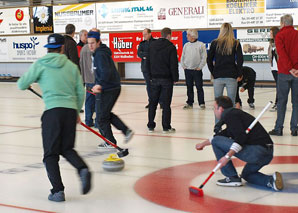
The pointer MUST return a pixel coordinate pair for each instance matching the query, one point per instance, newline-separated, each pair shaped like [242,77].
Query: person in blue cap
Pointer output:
[107,88]
[63,95]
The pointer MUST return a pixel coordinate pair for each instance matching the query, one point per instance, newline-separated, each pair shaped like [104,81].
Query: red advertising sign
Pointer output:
[124,46]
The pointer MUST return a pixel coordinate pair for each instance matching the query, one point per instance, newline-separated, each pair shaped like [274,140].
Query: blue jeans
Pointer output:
[148,84]
[284,84]
[90,107]
[161,90]
[197,77]
[255,156]
[231,85]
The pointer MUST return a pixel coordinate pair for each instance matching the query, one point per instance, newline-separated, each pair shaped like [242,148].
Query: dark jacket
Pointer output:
[163,60]
[143,53]
[286,41]
[225,65]
[70,50]
[237,122]
[249,77]
[105,70]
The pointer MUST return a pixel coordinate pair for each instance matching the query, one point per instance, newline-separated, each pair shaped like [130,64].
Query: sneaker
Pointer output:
[150,130]
[275,132]
[172,130]
[128,135]
[187,106]
[273,108]
[57,197]
[276,182]
[202,106]
[147,106]
[81,111]
[85,176]
[105,146]
[251,105]
[230,181]
[294,132]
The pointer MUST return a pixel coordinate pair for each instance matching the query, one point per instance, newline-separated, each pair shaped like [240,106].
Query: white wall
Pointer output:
[133,71]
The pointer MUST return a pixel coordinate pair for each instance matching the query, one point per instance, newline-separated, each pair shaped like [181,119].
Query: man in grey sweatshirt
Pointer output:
[193,60]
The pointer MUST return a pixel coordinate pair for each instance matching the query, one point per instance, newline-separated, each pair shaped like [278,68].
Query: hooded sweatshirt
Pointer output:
[105,70]
[163,60]
[59,80]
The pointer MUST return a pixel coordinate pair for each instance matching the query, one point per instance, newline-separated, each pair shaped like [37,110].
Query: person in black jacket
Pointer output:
[163,72]
[254,148]
[143,53]
[107,88]
[70,47]
[225,61]
[247,82]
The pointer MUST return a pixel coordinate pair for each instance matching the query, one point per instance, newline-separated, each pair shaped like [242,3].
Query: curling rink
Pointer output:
[158,170]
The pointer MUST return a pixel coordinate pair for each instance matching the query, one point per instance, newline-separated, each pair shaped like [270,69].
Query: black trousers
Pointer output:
[275,76]
[161,89]
[196,76]
[58,135]
[105,103]
[250,91]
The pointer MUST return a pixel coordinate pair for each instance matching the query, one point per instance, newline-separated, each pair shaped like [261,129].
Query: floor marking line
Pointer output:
[24,208]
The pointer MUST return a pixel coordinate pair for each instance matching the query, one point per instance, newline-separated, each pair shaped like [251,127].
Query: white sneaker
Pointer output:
[129,134]
[105,146]
[202,106]
[277,182]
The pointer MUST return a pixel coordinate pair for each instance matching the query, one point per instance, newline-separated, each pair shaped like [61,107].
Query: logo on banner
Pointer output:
[120,44]
[2,40]
[1,20]
[161,15]
[19,15]
[103,11]
[186,11]
[26,48]
[42,14]
[75,10]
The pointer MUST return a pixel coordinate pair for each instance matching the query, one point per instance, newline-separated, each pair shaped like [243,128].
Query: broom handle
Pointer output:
[257,118]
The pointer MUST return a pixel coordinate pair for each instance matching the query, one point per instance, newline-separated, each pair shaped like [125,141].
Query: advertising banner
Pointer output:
[125,16]
[180,14]
[124,46]
[14,21]
[238,13]
[22,48]
[276,9]
[43,19]
[255,43]
[81,15]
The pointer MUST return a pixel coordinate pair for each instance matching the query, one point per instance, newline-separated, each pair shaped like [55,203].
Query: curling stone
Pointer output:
[113,163]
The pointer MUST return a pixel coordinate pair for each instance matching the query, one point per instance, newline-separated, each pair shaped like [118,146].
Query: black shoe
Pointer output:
[294,132]
[81,111]
[275,132]
[147,106]
[230,181]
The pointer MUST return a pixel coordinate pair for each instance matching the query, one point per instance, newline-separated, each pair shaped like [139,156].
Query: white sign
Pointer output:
[80,15]
[255,43]
[238,13]
[125,16]
[22,48]
[180,14]
[14,21]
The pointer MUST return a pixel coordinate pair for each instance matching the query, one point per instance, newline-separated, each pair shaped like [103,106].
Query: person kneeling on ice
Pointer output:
[255,148]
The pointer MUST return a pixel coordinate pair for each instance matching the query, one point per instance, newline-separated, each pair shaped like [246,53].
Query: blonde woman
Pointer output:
[225,61]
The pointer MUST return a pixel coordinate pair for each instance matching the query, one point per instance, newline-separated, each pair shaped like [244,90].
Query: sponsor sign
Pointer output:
[125,16]
[22,48]
[238,13]
[255,43]
[14,21]
[80,15]
[124,46]
[276,9]
[43,19]
[180,14]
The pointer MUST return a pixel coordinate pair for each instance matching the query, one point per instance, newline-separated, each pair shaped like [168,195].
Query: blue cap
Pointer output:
[94,34]
[54,41]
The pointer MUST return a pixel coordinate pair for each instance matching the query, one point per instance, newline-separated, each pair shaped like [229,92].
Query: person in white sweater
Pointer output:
[193,60]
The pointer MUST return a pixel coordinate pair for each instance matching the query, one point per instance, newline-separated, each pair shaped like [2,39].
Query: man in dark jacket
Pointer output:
[107,88]
[254,148]
[143,53]
[247,82]
[163,72]
[70,47]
